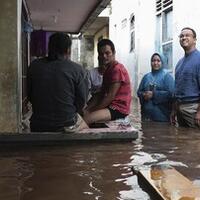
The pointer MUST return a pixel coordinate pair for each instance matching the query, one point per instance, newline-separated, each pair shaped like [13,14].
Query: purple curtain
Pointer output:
[38,43]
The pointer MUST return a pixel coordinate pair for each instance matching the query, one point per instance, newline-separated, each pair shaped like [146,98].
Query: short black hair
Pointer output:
[58,45]
[191,29]
[105,42]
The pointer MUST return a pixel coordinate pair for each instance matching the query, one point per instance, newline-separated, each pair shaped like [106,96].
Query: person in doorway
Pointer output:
[186,107]
[155,92]
[57,89]
[114,99]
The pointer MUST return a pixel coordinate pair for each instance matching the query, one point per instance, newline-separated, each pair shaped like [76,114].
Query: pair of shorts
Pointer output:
[115,114]
[74,128]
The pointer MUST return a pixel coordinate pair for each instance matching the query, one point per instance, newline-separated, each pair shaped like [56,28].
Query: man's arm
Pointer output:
[107,98]
[82,91]
[197,116]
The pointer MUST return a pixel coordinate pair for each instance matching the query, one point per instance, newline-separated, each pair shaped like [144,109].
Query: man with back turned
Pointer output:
[57,89]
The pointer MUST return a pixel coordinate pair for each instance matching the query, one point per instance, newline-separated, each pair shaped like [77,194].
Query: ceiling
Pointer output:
[98,24]
[72,16]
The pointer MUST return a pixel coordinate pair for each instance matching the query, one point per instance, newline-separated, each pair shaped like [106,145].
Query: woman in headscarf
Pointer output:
[156,91]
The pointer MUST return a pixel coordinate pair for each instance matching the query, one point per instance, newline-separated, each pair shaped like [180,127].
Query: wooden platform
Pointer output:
[112,131]
[166,183]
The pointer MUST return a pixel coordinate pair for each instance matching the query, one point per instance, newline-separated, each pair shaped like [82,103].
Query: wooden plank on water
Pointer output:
[109,131]
[167,183]
[98,134]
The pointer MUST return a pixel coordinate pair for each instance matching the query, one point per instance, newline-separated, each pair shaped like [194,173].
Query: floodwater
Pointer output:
[98,171]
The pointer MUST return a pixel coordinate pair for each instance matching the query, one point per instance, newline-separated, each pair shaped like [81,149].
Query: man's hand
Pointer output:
[147,95]
[197,118]
[173,119]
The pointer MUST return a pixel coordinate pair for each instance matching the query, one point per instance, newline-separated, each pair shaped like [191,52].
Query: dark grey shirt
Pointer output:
[57,90]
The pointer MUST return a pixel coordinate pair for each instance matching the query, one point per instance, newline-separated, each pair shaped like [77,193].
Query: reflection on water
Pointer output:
[98,171]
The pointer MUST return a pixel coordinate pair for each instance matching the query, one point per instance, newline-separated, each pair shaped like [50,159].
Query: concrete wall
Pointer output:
[87,51]
[10,95]
[75,49]
[103,33]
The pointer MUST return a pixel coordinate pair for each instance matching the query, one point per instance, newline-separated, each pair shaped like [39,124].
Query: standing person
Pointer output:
[113,102]
[57,89]
[155,92]
[187,82]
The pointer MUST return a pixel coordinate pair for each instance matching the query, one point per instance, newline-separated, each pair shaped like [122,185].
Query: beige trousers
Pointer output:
[186,114]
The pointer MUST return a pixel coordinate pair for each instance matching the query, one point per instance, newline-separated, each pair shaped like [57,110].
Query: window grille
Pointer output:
[162,5]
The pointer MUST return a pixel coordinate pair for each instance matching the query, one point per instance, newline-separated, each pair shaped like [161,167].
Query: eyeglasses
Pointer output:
[185,35]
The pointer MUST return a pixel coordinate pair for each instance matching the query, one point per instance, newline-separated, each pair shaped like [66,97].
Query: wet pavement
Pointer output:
[98,171]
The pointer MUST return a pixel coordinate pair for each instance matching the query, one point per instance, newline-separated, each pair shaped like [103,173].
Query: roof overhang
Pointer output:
[72,16]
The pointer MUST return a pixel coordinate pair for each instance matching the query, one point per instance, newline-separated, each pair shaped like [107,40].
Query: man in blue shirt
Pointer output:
[187,82]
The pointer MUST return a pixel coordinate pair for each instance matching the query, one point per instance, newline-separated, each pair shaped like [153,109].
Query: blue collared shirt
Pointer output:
[187,78]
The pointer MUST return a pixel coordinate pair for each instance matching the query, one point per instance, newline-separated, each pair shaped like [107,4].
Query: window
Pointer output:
[132,22]
[132,33]
[167,26]
[164,38]
[167,51]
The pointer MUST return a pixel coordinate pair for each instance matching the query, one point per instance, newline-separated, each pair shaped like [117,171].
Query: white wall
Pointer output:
[184,15]
[146,36]
[137,61]
[101,33]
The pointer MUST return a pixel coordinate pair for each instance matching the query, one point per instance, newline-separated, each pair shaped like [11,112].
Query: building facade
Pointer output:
[141,27]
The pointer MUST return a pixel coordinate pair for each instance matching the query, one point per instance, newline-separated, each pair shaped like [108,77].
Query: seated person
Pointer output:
[57,89]
[114,99]
[155,92]
[96,78]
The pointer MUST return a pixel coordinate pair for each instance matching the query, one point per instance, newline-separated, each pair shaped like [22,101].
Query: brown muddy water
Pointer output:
[97,171]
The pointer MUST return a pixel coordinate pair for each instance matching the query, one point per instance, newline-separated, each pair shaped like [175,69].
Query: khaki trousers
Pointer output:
[186,114]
